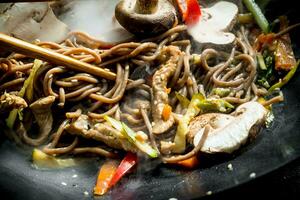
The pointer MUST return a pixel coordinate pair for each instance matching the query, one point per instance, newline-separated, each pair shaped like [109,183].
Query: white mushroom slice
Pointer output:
[215,23]
[228,132]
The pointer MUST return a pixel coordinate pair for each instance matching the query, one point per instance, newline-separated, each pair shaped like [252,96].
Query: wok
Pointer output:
[273,148]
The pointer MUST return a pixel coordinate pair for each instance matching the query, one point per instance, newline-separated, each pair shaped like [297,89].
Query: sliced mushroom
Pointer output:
[41,110]
[31,21]
[214,24]
[227,132]
[145,17]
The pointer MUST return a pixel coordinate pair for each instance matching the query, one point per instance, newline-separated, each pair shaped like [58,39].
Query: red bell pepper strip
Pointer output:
[190,11]
[127,163]
[105,176]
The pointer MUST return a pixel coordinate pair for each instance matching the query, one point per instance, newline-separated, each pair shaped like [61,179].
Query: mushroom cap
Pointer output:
[214,24]
[43,103]
[228,132]
[144,25]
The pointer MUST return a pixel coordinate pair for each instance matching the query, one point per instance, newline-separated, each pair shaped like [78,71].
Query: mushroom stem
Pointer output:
[146,6]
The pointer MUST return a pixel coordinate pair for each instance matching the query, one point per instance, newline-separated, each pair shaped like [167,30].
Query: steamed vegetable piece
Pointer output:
[131,136]
[106,173]
[190,11]
[26,89]
[129,161]
[198,104]
[29,89]
[261,62]
[144,147]
[166,113]
[115,123]
[215,105]
[182,129]
[221,92]
[258,15]
[190,163]
[184,102]
[262,101]
[42,160]
[275,54]
[285,79]
[246,18]
[266,68]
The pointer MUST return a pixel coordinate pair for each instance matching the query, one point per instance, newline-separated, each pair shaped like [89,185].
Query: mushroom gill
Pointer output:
[227,132]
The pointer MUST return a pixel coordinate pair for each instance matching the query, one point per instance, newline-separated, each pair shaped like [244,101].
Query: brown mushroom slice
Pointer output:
[228,132]
[145,17]
[31,21]
[41,110]
[214,24]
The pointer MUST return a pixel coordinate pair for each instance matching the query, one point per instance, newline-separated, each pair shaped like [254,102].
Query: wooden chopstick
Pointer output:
[34,51]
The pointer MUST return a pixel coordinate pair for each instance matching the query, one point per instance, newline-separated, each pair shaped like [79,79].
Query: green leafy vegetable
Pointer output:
[182,129]
[215,105]
[29,89]
[196,59]
[221,92]
[285,79]
[246,18]
[266,73]
[184,102]
[20,114]
[261,62]
[258,15]
[10,121]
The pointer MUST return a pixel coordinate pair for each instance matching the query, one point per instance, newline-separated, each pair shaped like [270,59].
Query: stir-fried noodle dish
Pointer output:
[200,81]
